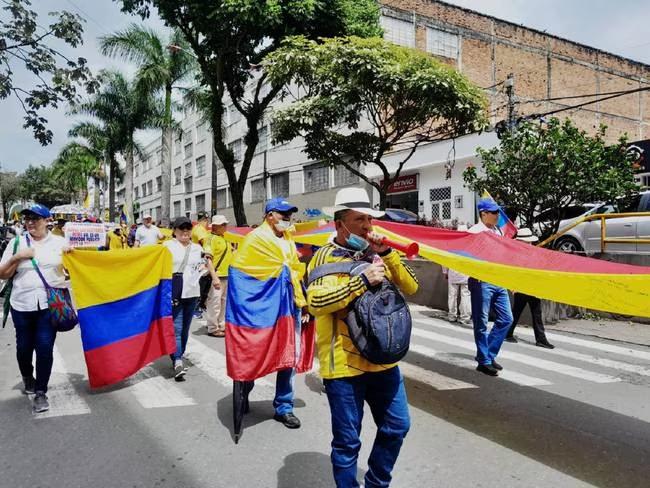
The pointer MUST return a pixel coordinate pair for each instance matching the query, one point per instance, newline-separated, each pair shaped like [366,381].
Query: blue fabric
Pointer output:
[385,394]
[283,401]
[182,315]
[34,332]
[485,297]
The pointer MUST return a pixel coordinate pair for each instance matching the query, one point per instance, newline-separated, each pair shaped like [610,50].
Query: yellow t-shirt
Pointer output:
[216,246]
[167,234]
[199,233]
[115,241]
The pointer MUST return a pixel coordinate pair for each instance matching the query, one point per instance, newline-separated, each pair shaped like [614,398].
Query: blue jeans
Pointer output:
[484,297]
[384,391]
[34,332]
[182,315]
[283,401]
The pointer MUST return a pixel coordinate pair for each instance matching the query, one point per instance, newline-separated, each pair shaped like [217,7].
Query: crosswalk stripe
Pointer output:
[587,358]
[431,378]
[63,398]
[511,376]
[153,391]
[522,358]
[213,363]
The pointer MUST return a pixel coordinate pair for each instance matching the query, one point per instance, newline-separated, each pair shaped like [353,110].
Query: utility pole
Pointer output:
[213,182]
[510,92]
[266,191]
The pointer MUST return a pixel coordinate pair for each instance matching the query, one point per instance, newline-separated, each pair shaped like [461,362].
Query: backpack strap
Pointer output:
[343,267]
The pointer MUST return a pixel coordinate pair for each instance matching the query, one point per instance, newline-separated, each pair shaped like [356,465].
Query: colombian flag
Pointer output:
[265,297]
[124,307]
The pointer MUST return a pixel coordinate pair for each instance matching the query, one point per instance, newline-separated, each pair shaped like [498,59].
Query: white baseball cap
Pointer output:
[219,220]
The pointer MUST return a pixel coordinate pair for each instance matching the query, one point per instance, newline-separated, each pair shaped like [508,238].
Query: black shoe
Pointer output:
[496,365]
[487,369]
[545,344]
[289,420]
[40,402]
[512,339]
[29,384]
[179,373]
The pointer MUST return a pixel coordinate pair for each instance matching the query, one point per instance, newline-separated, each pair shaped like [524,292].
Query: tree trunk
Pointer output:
[128,182]
[237,194]
[383,197]
[111,187]
[98,211]
[166,164]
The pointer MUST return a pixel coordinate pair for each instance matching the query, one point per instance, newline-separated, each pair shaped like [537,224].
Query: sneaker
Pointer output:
[452,319]
[512,339]
[289,420]
[29,383]
[466,321]
[496,365]
[487,369]
[40,402]
[179,372]
[545,344]
[198,314]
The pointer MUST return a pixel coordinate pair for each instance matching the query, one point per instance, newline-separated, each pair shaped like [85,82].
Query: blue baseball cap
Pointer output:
[487,205]
[40,210]
[279,204]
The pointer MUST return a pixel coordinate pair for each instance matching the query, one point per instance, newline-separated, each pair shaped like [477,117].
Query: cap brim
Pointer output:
[330,211]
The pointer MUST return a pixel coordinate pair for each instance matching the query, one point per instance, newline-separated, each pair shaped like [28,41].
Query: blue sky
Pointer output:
[618,27]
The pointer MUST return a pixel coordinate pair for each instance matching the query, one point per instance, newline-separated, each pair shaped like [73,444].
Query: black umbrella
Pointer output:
[240,391]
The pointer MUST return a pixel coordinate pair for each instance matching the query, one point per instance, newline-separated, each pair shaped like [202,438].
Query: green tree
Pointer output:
[10,189]
[539,168]
[161,65]
[57,77]
[229,37]
[72,167]
[367,98]
[37,184]
[124,107]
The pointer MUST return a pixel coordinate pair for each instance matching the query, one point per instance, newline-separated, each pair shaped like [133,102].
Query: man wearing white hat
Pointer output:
[147,234]
[218,251]
[349,378]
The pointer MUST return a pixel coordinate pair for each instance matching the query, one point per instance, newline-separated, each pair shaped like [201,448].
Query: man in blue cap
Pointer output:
[486,296]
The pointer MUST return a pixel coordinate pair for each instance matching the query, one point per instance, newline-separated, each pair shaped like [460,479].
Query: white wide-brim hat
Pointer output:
[353,199]
[526,235]
[219,220]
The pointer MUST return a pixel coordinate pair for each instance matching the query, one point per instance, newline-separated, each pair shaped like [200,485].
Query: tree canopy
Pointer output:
[539,168]
[366,98]
[56,76]
[230,37]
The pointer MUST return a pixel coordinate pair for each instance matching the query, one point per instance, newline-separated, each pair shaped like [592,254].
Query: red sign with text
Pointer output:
[403,184]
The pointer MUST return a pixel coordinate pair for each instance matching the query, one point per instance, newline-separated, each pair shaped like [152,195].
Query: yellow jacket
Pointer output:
[329,300]
[217,246]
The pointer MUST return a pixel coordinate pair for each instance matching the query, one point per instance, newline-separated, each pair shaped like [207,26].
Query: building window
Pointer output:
[200,166]
[177,176]
[221,198]
[187,136]
[188,205]
[137,192]
[263,144]
[178,145]
[440,199]
[188,184]
[144,189]
[258,194]
[149,187]
[188,169]
[235,147]
[317,177]
[188,150]
[200,203]
[201,132]
[344,177]
[234,115]
[398,31]
[229,197]
[177,208]
[159,157]
[157,213]
[441,43]
[280,185]
[136,170]
[158,183]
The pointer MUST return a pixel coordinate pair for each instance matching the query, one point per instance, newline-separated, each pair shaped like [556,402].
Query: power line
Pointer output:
[570,97]
[86,16]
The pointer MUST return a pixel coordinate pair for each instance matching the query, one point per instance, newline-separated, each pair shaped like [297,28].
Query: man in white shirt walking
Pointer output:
[486,296]
[147,234]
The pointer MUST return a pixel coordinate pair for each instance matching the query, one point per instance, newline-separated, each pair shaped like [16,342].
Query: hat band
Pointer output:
[351,205]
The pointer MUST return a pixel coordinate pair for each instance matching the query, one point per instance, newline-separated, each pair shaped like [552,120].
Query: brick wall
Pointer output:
[544,66]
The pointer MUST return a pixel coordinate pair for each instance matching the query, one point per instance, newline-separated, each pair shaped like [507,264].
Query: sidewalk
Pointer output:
[615,330]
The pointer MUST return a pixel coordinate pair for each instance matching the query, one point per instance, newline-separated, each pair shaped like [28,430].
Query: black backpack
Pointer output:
[379,321]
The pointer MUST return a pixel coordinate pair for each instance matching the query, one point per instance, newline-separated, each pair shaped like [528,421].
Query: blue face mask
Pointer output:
[356,242]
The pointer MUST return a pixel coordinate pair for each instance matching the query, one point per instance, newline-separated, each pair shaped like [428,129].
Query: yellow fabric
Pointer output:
[56,231]
[168,234]
[216,246]
[329,299]
[260,256]
[111,276]
[199,233]
[116,242]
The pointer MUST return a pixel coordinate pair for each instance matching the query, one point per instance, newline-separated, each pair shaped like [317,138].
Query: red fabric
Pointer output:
[307,345]
[119,360]
[255,352]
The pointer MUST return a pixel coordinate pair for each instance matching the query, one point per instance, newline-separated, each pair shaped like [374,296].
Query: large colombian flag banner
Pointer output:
[124,304]
[263,330]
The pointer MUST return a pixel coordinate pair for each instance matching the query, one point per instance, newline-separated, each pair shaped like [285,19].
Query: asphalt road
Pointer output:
[576,416]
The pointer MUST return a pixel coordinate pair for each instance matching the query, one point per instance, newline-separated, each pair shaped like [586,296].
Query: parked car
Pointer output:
[586,236]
